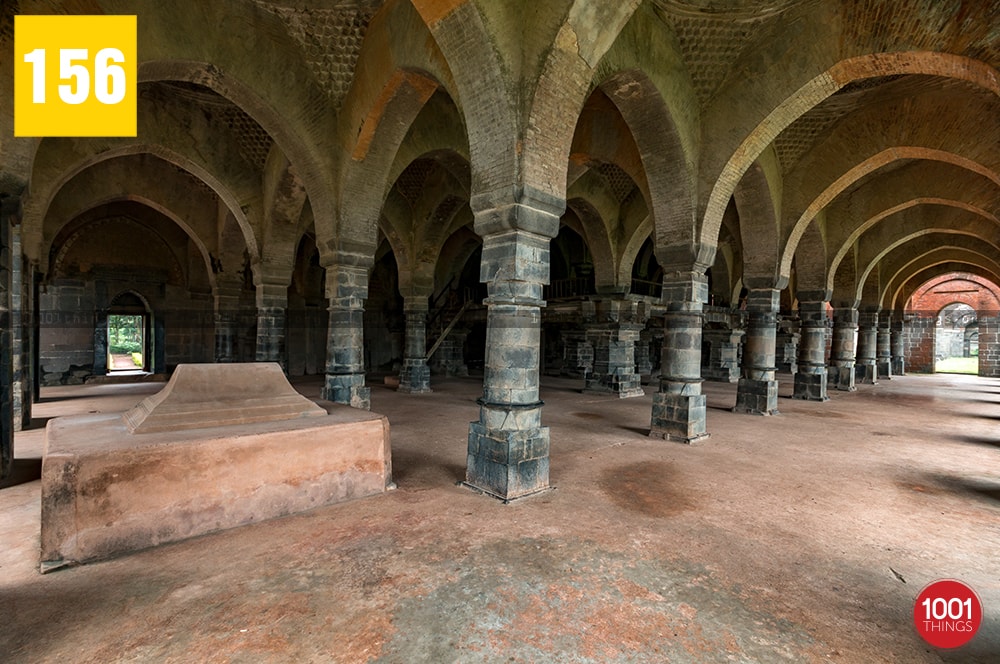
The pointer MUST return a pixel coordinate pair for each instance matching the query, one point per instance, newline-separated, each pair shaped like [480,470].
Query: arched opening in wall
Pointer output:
[456,306]
[954,352]
[307,315]
[647,275]
[571,267]
[130,345]
[385,322]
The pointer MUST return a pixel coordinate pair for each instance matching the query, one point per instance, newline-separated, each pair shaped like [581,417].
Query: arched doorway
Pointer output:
[130,346]
[956,345]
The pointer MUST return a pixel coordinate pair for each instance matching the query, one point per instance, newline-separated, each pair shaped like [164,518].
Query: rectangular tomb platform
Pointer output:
[222,445]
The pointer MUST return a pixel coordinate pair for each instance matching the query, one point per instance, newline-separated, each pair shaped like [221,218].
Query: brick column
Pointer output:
[810,379]
[614,349]
[757,392]
[346,291]
[272,302]
[989,345]
[898,345]
[883,346]
[679,407]
[866,366]
[9,210]
[508,454]
[415,375]
[845,326]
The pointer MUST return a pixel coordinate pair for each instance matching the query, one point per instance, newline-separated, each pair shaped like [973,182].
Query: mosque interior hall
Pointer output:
[507,331]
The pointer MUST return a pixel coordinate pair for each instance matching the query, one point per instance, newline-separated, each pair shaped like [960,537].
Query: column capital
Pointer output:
[520,209]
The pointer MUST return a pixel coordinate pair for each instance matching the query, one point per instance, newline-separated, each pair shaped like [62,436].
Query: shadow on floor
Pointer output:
[23,471]
[977,440]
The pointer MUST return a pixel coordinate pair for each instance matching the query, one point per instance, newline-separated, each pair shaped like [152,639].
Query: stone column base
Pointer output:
[810,386]
[415,377]
[678,417]
[348,389]
[884,369]
[866,374]
[507,463]
[757,397]
[843,378]
[898,366]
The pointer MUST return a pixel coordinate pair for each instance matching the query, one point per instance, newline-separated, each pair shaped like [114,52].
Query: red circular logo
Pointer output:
[947,613]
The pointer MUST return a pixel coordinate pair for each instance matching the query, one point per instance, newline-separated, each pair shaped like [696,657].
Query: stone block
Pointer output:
[811,386]
[757,397]
[106,491]
[508,464]
[678,417]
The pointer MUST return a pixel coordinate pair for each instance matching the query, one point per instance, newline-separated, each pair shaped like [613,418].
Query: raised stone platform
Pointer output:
[107,491]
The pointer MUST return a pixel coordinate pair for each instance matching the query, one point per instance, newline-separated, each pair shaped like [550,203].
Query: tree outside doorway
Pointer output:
[126,343]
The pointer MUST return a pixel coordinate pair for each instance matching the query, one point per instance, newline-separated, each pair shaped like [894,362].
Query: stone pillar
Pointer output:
[883,347]
[415,375]
[867,369]
[989,345]
[786,346]
[810,379]
[757,392]
[643,360]
[9,212]
[898,343]
[679,407]
[346,292]
[22,280]
[508,454]
[272,303]
[614,349]
[721,344]
[450,356]
[845,326]
[227,307]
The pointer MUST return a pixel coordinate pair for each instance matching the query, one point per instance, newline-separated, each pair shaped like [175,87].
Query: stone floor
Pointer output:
[800,537]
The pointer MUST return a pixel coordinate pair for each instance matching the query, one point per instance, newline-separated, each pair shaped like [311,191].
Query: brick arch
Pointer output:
[593,229]
[915,220]
[35,234]
[631,247]
[954,259]
[811,266]
[860,170]
[758,197]
[281,232]
[195,213]
[893,259]
[301,139]
[986,297]
[733,152]
[56,161]
[937,274]
[373,155]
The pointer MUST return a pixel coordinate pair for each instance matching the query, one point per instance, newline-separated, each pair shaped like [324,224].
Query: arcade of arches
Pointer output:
[642,195]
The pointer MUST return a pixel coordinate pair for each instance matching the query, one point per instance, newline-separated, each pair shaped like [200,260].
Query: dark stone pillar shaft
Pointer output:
[271,335]
[679,407]
[508,454]
[346,291]
[8,209]
[867,368]
[226,326]
[845,326]
[415,375]
[810,379]
[898,342]
[757,392]
[883,347]
[614,350]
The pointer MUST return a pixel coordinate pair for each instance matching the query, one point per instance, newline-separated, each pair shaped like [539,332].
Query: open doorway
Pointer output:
[128,336]
[956,348]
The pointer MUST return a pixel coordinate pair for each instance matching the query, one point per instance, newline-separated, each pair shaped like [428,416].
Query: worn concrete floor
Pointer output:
[800,537]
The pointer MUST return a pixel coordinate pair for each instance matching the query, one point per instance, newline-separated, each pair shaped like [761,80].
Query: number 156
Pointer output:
[109,76]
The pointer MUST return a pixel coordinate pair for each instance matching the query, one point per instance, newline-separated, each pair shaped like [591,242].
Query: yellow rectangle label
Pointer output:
[75,75]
